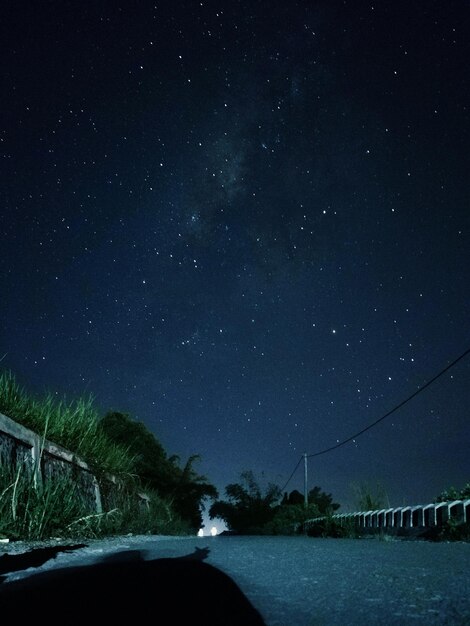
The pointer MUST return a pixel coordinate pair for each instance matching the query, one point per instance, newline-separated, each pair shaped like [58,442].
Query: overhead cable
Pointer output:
[398,406]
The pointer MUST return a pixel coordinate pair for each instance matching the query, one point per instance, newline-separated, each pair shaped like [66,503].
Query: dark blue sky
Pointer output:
[247,225]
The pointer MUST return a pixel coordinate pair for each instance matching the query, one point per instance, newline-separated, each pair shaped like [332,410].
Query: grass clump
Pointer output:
[34,510]
[31,510]
[51,499]
[73,425]
[154,517]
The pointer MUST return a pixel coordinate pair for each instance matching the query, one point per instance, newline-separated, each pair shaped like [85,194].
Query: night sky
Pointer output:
[245,224]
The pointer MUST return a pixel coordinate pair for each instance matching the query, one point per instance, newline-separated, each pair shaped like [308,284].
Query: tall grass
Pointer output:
[36,509]
[155,518]
[369,496]
[73,425]
[54,508]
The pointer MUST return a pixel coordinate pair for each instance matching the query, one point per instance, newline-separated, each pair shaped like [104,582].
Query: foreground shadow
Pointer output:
[126,589]
[33,558]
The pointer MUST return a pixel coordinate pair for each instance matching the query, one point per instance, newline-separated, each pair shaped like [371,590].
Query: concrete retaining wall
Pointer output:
[20,447]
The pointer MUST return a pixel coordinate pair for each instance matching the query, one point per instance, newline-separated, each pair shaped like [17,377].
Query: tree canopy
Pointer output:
[184,487]
[250,510]
[323,501]
[247,508]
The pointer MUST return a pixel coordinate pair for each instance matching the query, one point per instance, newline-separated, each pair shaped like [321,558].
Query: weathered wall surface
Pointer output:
[22,448]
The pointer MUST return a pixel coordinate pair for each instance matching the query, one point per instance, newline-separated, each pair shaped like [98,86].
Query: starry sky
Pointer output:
[245,224]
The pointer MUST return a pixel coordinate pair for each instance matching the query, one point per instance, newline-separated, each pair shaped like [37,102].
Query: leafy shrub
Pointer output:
[454,530]
[452,493]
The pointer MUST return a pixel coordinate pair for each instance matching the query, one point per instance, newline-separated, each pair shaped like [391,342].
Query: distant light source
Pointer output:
[200,533]
[213,531]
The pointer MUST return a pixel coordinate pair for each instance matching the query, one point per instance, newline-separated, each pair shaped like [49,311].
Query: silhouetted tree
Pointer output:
[183,487]
[316,497]
[294,497]
[323,501]
[291,515]
[150,460]
[247,509]
[190,492]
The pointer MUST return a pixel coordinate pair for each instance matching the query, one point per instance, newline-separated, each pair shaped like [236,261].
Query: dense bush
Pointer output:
[289,519]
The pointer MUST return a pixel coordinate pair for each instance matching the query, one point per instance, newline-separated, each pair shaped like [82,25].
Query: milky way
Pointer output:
[245,224]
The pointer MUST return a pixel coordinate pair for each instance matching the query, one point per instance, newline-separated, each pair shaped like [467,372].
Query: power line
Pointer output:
[398,406]
[290,477]
[341,443]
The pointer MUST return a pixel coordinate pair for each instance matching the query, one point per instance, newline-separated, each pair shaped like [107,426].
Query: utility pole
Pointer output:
[305,481]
